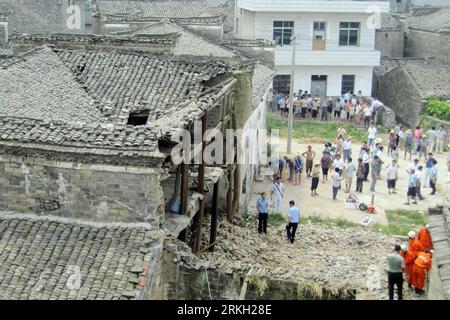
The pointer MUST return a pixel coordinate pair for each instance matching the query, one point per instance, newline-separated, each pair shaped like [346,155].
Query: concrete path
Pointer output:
[323,205]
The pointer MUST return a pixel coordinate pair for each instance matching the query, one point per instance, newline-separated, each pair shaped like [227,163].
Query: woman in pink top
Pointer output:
[418,133]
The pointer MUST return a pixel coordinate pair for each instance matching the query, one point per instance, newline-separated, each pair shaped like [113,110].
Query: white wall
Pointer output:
[303,28]
[245,24]
[363,78]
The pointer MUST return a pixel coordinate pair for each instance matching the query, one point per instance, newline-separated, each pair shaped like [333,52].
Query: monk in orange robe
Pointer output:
[422,264]
[410,256]
[424,237]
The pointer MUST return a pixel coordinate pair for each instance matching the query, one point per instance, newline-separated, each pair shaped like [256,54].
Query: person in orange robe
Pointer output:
[410,256]
[422,263]
[424,237]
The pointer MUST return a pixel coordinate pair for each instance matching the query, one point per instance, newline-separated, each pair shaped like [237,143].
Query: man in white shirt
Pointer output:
[347,148]
[336,183]
[350,169]
[277,195]
[293,221]
[339,164]
[432,139]
[392,176]
[372,134]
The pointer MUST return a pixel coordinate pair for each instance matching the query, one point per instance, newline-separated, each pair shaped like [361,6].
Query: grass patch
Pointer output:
[276,219]
[341,223]
[314,132]
[402,221]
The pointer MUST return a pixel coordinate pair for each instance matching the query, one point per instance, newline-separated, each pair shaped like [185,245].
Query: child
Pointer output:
[394,153]
[336,177]
[315,179]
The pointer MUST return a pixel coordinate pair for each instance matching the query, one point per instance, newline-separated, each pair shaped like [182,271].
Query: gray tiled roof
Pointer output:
[78,98]
[226,9]
[154,8]
[386,66]
[389,22]
[436,21]
[42,258]
[41,87]
[262,79]
[35,16]
[189,43]
[432,80]
[440,232]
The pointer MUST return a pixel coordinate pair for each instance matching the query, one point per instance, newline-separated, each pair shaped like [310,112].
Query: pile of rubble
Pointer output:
[327,256]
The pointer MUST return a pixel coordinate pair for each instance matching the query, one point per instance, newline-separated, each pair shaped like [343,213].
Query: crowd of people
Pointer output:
[354,108]
[414,260]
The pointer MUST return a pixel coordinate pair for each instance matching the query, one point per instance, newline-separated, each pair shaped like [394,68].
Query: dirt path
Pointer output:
[323,205]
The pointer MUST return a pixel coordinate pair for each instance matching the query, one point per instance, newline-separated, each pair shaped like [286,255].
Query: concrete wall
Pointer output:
[427,44]
[390,43]
[397,92]
[435,290]
[94,192]
[3,33]
[363,78]
[245,25]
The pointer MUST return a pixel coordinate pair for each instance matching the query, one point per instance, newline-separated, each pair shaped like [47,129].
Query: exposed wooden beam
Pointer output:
[214,213]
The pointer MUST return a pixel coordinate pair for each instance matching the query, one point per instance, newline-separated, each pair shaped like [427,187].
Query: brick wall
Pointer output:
[397,92]
[95,192]
[390,43]
[427,44]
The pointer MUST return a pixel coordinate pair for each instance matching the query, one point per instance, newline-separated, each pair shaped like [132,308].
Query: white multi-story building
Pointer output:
[334,46]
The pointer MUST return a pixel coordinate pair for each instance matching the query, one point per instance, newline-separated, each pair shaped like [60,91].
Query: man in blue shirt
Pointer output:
[428,166]
[294,219]
[262,205]
[412,186]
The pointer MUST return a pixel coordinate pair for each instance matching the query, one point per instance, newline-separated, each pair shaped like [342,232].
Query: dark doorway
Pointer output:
[319,85]
[282,83]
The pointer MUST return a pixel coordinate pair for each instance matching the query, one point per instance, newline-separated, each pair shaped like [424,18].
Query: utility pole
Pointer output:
[291,97]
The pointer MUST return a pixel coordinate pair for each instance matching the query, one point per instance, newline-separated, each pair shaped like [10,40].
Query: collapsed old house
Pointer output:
[86,155]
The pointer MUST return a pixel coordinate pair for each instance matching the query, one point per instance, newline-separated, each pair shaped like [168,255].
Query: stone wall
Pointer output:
[427,44]
[396,91]
[435,291]
[3,33]
[428,122]
[94,192]
[390,43]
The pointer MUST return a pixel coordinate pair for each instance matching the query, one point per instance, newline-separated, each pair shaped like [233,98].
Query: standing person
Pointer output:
[441,137]
[419,175]
[392,141]
[347,106]
[418,134]
[324,107]
[409,142]
[298,169]
[424,237]
[347,146]
[395,273]
[422,265]
[432,139]
[336,183]
[349,170]
[309,102]
[422,147]
[304,108]
[372,134]
[262,206]
[394,153]
[309,156]
[293,221]
[275,164]
[315,107]
[340,145]
[414,248]
[433,177]
[360,174]
[364,148]
[412,187]
[376,170]
[325,163]
[281,163]
[428,165]
[392,176]
[366,162]
[339,164]
[330,108]
[277,195]
[290,164]
[352,112]
[341,132]
[367,116]
[338,109]
[315,179]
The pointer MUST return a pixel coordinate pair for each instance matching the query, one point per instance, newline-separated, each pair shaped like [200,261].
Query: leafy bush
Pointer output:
[438,108]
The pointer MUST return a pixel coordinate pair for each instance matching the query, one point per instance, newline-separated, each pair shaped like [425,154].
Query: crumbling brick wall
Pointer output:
[94,192]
